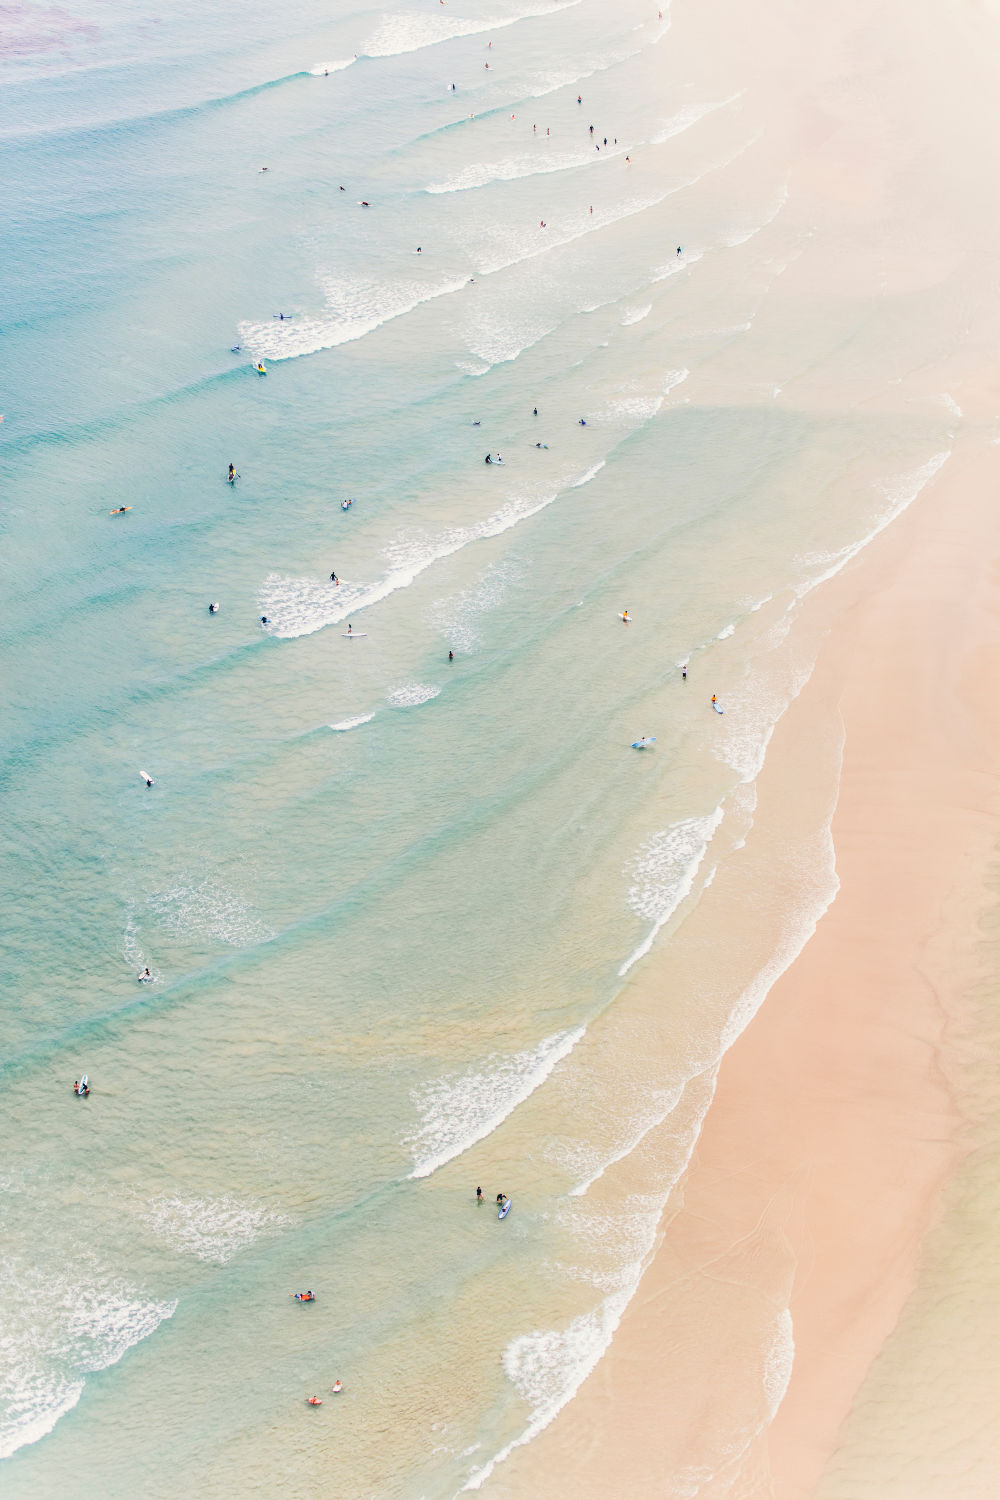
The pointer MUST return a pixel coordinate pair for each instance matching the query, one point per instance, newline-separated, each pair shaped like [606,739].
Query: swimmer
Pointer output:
[343,190]
[145,976]
[420,249]
[477,424]
[235,348]
[451,656]
[582,422]
[541,223]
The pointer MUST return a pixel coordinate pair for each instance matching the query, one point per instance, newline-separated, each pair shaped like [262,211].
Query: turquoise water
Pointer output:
[382,894]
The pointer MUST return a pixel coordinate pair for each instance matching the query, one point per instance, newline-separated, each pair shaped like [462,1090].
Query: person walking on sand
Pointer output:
[684,674]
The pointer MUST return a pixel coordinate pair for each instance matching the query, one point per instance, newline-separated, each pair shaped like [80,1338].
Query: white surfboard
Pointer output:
[354,635]
[718,710]
[147,778]
[505,1209]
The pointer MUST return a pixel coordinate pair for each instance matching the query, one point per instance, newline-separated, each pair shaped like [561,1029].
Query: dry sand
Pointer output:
[835,1121]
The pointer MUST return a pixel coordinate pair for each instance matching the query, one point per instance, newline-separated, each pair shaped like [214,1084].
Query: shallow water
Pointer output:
[383,896]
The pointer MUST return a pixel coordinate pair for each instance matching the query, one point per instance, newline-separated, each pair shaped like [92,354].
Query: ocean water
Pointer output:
[393,904]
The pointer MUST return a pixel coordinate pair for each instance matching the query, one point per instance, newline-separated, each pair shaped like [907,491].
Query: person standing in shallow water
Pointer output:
[479,1195]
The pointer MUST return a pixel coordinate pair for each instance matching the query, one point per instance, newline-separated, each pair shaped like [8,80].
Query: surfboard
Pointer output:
[120,511]
[625,619]
[718,710]
[642,744]
[354,635]
[83,1084]
[505,1210]
[147,778]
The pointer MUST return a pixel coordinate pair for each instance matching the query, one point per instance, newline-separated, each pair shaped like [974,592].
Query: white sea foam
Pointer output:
[458,618]
[213,1229]
[543,159]
[899,493]
[354,307]
[687,118]
[354,723]
[726,632]
[205,909]
[663,874]
[331,67]
[636,314]
[410,33]
[548,1366]
[779,1363]
[57,1329]
[458,1110]
[412,694]
[299,606]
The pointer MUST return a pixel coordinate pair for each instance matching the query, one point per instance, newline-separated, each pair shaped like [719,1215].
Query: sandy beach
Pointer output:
[836,1119]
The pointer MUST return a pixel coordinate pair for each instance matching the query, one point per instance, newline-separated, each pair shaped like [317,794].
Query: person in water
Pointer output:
[451,656]
[534,411]
[213,609]
[488,459]
[625,617]
[145,974]
[314,1401]
[684,674]
[264,620]
[501,1198]
[334,578]
[148,780]
[232,472]
[337,1387]
[349,629]
[714,698]
[582,422]
[479,1195]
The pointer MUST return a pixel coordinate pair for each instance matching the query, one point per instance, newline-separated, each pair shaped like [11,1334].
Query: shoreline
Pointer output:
[835,1125]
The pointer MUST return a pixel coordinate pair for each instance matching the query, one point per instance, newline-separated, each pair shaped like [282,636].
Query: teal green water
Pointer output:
[381,893]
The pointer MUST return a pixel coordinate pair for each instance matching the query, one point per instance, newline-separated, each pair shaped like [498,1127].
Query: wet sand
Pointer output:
[835,1123]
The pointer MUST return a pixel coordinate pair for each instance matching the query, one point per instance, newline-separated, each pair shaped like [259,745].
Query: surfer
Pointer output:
[534,411]
[147,779]
[121,510]
[477,423]
[680,249]
[213,609]
[627,621]
[232,475]
[260,369]
[334,578]
[498,459]
[582,422]
[501,1199]
[488,459]
[264,620]
[714,700]
[337,1387]
[420,249]
[235,348]
[541,445]
[348,629]
[145,976]
[305,1296]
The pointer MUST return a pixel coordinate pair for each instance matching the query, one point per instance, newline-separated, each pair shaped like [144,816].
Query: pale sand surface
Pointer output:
[835,1123]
